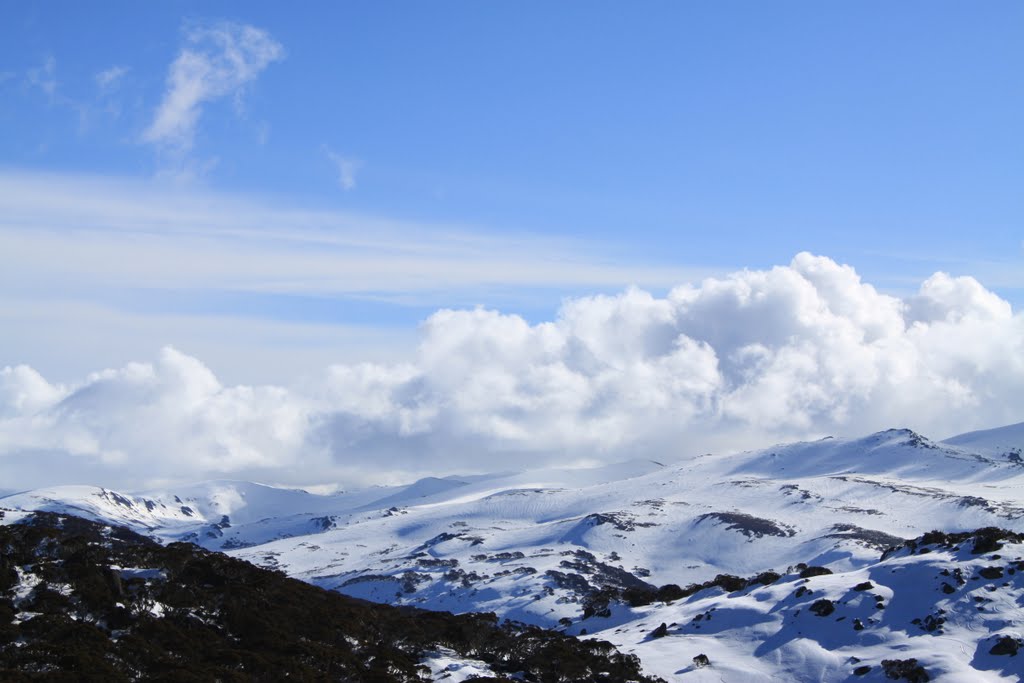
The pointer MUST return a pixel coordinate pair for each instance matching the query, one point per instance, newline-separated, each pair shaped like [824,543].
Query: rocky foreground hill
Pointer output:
[83,601]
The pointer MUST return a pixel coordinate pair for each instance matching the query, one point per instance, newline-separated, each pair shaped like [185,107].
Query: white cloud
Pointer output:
[65,338]
[85,233]
[943,298]
[95,271]
[109,79]
[44,76]
[759,356]
[217,61]
[346,168]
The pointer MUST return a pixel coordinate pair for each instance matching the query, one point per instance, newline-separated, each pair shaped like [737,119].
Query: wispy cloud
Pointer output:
[134,253]
[136,233]
[110,79]
[217,61]
[346,168]
[44,76]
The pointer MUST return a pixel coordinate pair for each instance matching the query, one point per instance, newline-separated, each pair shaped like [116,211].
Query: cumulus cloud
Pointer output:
[796,351]
[171,418]
[217,61]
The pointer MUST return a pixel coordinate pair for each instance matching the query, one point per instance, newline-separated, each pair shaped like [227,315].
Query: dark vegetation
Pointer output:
[729,583]
[749,525]
[1006,645]
[986,540]
[868,537]
[598,584]
[185,614]
[905,669]
[823,607]
[622,521]
[807,572]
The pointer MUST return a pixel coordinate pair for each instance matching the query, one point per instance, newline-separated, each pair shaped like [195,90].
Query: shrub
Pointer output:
[905,669]
[822,607]
[808,572]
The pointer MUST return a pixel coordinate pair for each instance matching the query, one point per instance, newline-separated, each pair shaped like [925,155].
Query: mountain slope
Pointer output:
[589,550]
[952,603]
[87,602]
[1005,442]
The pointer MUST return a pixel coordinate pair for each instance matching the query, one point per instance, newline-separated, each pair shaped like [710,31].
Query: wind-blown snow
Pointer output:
[794,352]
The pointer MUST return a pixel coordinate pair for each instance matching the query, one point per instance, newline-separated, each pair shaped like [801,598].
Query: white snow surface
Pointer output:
[518,543]
[447,665]
[769,633]
[1004,441]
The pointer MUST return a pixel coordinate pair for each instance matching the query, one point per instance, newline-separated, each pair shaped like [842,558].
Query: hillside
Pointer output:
[940,607]
[80,601]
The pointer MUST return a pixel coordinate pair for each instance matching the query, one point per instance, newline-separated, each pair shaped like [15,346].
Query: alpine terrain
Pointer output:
[884,557]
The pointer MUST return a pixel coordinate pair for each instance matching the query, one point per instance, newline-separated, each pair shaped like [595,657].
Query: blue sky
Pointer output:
[405,157]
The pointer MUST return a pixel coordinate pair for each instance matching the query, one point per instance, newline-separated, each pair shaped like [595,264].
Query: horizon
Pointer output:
[332,489]
[365,245]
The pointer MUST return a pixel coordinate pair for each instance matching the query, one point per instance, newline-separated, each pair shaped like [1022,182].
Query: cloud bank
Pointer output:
[756,357]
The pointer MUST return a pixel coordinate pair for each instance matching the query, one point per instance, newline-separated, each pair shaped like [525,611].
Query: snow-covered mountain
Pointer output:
[1004,442]
[604,551]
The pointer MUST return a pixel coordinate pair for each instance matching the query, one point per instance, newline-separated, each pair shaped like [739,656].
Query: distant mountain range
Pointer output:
[776,564]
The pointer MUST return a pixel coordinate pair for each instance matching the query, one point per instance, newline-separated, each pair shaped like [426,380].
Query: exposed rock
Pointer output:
[1006,645]
[749,525]
[814,571]
[905,669]
[822,607]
